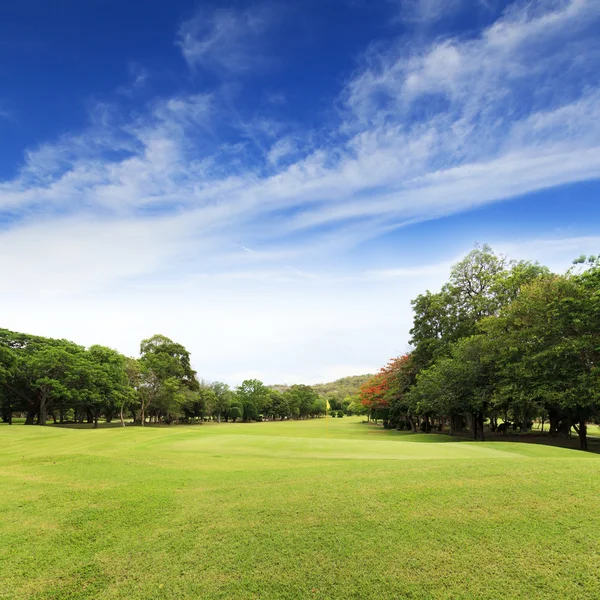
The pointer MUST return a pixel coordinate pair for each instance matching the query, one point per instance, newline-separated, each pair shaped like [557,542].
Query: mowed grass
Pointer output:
[278,510]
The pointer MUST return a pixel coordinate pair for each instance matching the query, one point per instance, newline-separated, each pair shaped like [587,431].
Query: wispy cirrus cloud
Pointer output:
[226,40]
[425,132]
[426,11]
[5,112]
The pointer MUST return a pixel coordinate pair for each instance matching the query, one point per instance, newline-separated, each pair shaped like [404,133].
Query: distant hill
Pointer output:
[339,389]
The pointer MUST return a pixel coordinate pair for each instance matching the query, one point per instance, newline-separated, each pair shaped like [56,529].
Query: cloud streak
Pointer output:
[225,40]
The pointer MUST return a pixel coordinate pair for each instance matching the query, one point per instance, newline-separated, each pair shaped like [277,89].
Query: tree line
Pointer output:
[502,344]
[45,379]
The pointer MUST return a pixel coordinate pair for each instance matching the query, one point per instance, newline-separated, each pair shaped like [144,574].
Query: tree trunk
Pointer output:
[480,426]
[554,420]
[142,415]
[494,423]
[413,424]
[121,415]
[582,433]
[42,418]
[96,415]
[472,423]
[31,411]
[456,424]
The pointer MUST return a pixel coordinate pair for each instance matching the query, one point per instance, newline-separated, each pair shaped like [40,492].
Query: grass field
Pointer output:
[277,510]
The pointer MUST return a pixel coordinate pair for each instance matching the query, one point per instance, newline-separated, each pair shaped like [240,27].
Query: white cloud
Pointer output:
[226,40]
[427,11]
[5,113]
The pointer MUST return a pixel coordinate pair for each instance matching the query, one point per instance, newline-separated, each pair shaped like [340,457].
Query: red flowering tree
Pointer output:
[384,388]
[373,394]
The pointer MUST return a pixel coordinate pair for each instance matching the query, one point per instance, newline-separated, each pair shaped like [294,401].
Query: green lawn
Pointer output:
[278,510]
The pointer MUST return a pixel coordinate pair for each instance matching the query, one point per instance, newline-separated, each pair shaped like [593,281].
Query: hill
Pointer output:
[338,389]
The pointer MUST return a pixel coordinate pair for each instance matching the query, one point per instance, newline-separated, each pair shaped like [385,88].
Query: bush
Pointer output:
[235,412]
[340,414]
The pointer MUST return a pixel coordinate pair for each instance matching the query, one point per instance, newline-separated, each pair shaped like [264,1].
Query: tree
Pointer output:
[478,287]
[133,371]
[221,400]
[302,397]
[279,404]
[373,395]
[254,398]
[46,372]
[198,403]
[166,375]
[8,373]
[550,341]
[236,411]
[96,379]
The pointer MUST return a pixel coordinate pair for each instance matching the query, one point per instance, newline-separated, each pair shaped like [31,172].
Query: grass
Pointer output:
[277,510]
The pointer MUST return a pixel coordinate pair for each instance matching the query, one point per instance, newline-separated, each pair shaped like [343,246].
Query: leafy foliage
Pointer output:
[502,342]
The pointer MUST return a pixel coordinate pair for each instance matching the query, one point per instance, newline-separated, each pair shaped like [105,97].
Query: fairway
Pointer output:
[280,510]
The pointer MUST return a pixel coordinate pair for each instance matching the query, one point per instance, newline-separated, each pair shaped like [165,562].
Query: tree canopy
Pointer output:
[501,344]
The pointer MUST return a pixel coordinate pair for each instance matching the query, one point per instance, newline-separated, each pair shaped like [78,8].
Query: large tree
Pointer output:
[550,349]
[166,377]
[478,287]
[254,397]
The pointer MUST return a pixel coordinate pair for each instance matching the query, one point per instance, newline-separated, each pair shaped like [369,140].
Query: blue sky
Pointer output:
[270,183]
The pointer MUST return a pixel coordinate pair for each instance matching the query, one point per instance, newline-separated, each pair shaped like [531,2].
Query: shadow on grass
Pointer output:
[533,437]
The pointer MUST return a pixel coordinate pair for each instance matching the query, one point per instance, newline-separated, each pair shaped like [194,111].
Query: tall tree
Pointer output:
[222,399]
[165,374]
[254,397]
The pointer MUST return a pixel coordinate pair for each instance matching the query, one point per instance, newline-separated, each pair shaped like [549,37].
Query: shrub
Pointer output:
[340,414]
[236,412]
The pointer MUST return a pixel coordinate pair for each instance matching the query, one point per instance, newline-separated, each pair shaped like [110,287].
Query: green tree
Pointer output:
[550,341]
[166,376]
[222,399]
[97,379]
[303,397]
[279,405]
[254,397]
[478,287]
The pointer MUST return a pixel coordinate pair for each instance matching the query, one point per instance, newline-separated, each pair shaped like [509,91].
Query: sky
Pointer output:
[271,183]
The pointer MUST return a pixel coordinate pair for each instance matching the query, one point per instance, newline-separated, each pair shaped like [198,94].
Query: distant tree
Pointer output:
[98,380]
[279,405]
[373,395]
[254,397]
[222,399]
[236,411]
[303,397]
